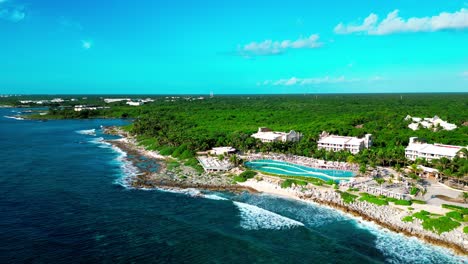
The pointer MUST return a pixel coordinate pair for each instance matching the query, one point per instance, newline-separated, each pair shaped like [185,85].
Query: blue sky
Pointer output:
[174,46]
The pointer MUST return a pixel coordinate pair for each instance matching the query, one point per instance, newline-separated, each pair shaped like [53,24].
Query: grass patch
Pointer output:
[353,190]
[460,209]
[408,218]
[465,229]
[455,215]
[403,202]
[244,176]
[418,201]
[414,191]
[440,225]
[373,199]
[347,197]
[410,208]
[422,215]
[289,182]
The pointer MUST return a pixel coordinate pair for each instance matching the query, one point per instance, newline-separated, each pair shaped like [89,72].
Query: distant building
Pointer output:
[342,143]
[429,123]
[418,149]
[266,135]
[79,108]
[222,151]
[135,103]
[113,100]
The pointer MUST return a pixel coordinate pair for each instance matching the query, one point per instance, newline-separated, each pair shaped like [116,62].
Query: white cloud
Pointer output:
[86,44]
[320,80]
[12,14]
[393,23]
[269,47]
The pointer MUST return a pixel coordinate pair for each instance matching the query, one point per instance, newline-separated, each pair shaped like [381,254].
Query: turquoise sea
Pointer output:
[64,200]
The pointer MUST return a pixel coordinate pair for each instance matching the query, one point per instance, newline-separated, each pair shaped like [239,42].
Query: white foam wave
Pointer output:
[398,248]
[127,169]
[89,132]
[14,117]
[214,197]
[255,218]
[103,144]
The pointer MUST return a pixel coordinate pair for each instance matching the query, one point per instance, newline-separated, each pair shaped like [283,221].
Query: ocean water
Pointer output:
[64,200]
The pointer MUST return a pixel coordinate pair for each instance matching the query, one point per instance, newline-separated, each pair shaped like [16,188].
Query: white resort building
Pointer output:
[341,143]
[429,123]
[222,151]
[265,135]
[418,149]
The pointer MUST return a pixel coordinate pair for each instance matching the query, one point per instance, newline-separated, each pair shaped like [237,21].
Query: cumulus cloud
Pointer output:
[269,47]
[320,80]
[86,44]
[393,23]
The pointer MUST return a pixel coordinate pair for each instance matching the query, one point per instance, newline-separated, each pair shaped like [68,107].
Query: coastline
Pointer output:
[388,217]
[384,216]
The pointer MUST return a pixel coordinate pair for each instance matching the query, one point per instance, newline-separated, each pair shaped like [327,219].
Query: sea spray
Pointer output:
[255,218]
[89,132]
[401,249]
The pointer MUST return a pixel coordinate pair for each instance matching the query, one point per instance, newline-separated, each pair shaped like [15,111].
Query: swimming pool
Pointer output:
[290,169]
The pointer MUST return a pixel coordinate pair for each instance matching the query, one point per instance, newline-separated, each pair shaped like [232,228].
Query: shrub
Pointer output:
[403,202]
[465,229]
[248,174]
[287,183]
[422,215]
[414,191]
[440,225]
[166,151]
[455,215]
[187,154]
[410,208]
[408,218]
[330,182]
[347,197]
[353,190]
[418,201]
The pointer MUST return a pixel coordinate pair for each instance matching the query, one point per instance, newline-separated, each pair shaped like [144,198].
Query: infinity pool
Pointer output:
[289,169]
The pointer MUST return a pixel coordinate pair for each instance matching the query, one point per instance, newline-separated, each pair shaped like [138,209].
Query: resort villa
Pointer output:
[429,123]
[418,149]
[266,135]
[341,143]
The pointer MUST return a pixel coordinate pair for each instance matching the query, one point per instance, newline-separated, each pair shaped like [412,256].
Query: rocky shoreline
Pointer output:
[185,177]
[385,216]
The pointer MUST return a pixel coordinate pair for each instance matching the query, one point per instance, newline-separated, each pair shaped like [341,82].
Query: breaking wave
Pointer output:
[89,132]
[14,117]
[398,248]
[255,218]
